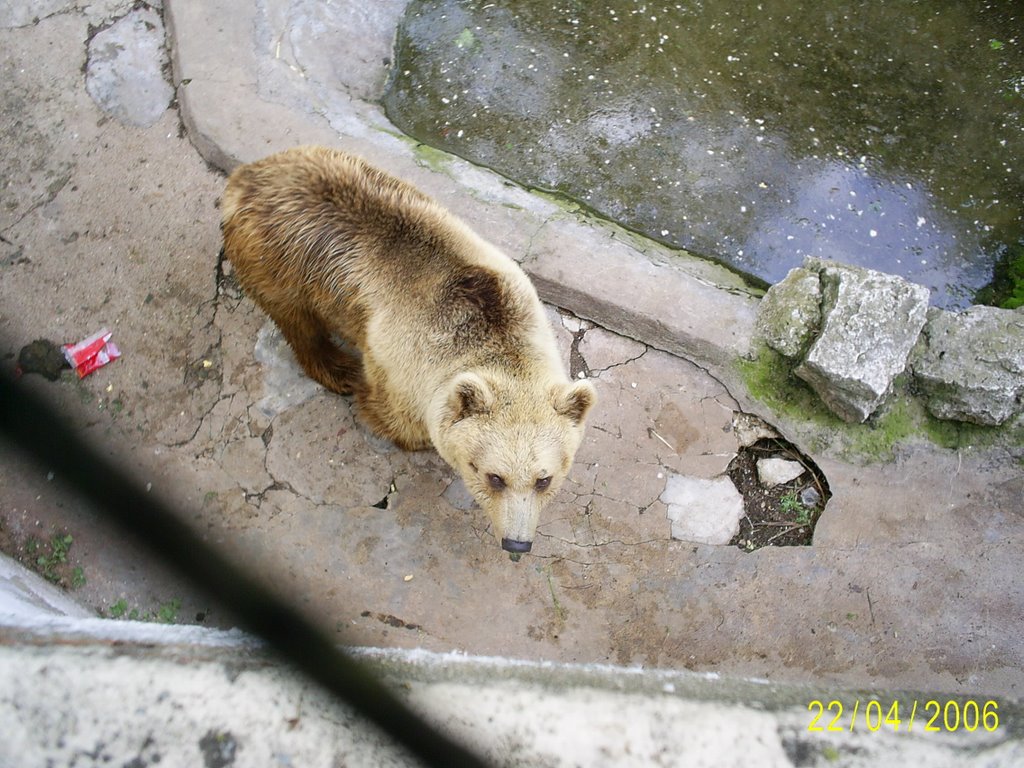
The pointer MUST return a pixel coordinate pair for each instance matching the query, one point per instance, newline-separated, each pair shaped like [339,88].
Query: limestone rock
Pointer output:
[789,314]
[703,511]
[871,322]
[970,365]
[749,428]
[772,472]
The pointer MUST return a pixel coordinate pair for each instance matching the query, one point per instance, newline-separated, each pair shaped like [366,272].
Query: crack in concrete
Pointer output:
[598,371]
[617,434]
[199,423]
[529,256]
[713,377]
[596,544]
[257,498]
[578,367]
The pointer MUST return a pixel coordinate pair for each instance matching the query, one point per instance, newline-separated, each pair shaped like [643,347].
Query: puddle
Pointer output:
[754,133]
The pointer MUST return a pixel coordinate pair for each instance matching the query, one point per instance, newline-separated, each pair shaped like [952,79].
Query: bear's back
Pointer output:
[350,238]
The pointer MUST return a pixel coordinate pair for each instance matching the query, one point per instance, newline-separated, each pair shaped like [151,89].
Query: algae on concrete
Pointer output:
[903,420]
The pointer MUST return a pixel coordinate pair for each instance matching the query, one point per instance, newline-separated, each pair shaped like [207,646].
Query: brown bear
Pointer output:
[454,348]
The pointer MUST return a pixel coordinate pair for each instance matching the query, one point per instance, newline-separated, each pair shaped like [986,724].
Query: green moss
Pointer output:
[962,434]
[434,159]
[1007,287]
[878,437]
[770,379]
[903,419]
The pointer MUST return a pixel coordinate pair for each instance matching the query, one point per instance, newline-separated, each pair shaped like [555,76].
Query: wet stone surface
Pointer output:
[887,137]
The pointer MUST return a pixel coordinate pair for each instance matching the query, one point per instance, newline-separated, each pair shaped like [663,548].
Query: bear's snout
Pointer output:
[518,547]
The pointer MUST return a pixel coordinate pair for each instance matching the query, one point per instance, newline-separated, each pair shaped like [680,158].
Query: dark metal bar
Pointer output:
[29,424]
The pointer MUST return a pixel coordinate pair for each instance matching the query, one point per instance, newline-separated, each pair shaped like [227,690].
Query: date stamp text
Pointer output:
[931,716]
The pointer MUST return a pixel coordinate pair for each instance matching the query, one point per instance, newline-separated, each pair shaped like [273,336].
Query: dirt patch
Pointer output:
[782,515]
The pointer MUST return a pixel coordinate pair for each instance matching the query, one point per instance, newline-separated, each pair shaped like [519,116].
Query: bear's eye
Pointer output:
[542,483]
[497,482]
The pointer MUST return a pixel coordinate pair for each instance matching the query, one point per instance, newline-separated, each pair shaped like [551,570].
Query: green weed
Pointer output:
[48,557]
[795,508]
[118,609]
[166,613]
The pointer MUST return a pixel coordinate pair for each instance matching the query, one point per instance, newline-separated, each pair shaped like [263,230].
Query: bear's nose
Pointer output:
[511,545]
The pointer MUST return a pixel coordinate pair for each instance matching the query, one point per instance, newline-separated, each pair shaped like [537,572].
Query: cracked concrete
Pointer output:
[913,577]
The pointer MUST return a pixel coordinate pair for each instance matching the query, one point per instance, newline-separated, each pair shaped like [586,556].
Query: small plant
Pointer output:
[1007,287]
[168,612]
[792,506]
[49,557]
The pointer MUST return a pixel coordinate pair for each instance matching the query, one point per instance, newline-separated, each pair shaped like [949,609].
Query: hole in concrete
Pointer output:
[382,504]
[783,514]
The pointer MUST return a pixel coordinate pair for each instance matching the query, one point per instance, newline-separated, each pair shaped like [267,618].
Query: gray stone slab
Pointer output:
[284,384]
[871,322]
[26,595]
[970,365]
[140,705]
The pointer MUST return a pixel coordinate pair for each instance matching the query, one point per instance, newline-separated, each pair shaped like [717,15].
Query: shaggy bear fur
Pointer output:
[454,349]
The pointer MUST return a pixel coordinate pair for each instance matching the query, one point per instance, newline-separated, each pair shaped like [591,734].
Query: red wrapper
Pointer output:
[91,353]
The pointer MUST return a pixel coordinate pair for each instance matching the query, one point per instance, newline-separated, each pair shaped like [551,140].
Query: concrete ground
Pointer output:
[913,577]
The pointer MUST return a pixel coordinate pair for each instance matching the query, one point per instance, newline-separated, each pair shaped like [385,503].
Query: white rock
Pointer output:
[703,511]
[772,472]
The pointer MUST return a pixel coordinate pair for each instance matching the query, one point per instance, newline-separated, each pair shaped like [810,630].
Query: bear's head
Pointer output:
[513,442]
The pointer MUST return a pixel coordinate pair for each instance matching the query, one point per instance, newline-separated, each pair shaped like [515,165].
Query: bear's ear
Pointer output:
[469,395]
[575,401]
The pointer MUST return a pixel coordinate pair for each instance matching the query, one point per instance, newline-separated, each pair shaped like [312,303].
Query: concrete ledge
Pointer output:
[219,699]
[123,692]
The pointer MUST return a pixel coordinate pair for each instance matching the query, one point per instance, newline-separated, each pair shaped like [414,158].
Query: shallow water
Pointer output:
[754,133]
